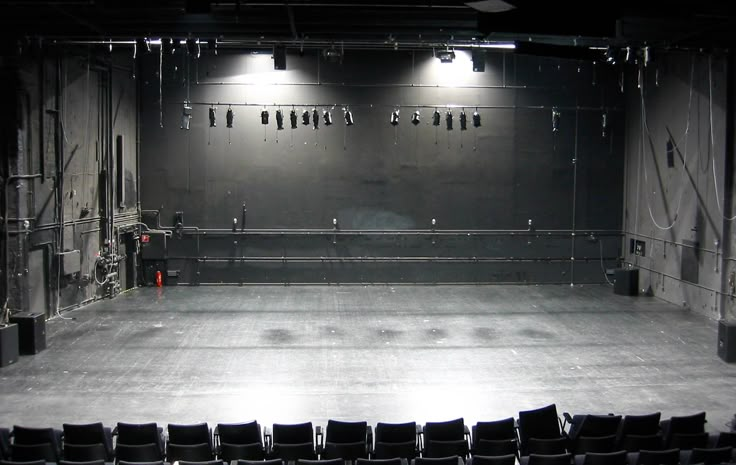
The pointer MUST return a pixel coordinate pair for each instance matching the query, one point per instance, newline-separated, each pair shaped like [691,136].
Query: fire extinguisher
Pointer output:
[159,279]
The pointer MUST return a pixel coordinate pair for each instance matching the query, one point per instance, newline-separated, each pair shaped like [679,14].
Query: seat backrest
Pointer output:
[86,462]
[500,429]
[641,425]
[25,435]
[555,459]
[90,433]
[495,447]
[444,430]
[138,434]
[123,462]
[711,456]
[636,442]
[726,438]
[495,460]
[298,433]
[392,450]
[138,452]
[320,462]
[260,462]
[85,452]
[291,452]
[230,452]
[32,462]
[396,461]
[346,432]
[689,424]
[33,452]
[585,444]
[610,458]
[451,460]
[599,425]
[240,433]
[208,462]
[687,441]
[189,452]
[554,446]
[659,457]
[396,432]
[541,423]
[198,433]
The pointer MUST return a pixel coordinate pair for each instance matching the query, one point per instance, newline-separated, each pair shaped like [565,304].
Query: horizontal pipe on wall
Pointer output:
[395,85]
[661,273]
[382,283]
[688,246]
[246,259]
[390,232]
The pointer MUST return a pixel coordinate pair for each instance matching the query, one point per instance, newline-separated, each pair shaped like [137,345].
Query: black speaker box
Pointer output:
[8,344]
[31,332]
[727,340]
[626,282]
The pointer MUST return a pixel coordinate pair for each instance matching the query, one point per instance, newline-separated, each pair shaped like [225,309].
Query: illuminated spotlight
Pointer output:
[463,121]
[293,118]
[213,117]
[348,117]
[415,118]
[332,54]
[229,116]
[315,118]
[610,56]
[279,120]
[448,120]
[436,118]
[212,45]
[555,119]
[186,115]
[167,46]
[604,124]
[446,56]
[476,119]
[305,117]
[327,117]
[264,116]
[394,120]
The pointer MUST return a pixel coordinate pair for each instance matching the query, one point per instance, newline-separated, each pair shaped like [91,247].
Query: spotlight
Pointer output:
[476,120]
[193,47]
[212,45]
[610,56]
[305,117]
[264,117]
[555,120]
[436,118]
[630,55]
[463,121]
[186,115]
[448,120]
[315,118]
[293,119]
[348,118]
[327,117]
[332,54]
[394,117]
[279,120]
[415,117]
[213,117]
[446,56]
[167,46]
[229,117]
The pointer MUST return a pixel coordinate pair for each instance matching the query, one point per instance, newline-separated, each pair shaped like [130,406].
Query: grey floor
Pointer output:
[283,354]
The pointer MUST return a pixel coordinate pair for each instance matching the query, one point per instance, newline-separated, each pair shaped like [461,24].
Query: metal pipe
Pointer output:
[574,201]
[342,232]
[254,259]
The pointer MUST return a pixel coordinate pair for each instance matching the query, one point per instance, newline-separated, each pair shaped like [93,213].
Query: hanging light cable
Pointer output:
[229,117]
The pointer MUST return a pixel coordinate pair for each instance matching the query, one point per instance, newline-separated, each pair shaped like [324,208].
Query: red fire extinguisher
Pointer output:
[159,279]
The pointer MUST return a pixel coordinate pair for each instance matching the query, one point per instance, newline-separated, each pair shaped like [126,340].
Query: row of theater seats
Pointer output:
[538,437]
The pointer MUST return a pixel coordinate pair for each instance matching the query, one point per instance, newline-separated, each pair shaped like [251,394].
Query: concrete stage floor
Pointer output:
[376,353]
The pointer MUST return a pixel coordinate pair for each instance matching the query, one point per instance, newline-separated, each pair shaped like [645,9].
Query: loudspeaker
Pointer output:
[479,60]
[626,282]
[8,344]
[279,57]
[727,340]
[31,332]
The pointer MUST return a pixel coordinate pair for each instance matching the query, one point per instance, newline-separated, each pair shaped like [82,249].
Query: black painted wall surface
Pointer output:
[387,182]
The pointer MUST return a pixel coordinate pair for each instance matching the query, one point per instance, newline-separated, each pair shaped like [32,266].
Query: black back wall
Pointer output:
[384,184]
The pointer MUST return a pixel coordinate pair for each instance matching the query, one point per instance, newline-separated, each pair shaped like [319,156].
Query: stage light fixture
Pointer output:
[436,118]
[315,119]
[348,117]
[279,120]
[279,57]
[604,125]
[264,116]
[415,118]
[212,45]
[448,120]
[229,116]
[476,119]
[142,46]
[610,56]
[630,55]
[167,46]
[305,117]
[479,60]
[327,116]
[463,121]
[332,54]
[555,120]
[446,56]
[213,117]
[293,119]
[394,120]
[186,115]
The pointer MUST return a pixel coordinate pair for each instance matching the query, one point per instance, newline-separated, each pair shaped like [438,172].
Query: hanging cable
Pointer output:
[603,268]
[713,142]
[645,131]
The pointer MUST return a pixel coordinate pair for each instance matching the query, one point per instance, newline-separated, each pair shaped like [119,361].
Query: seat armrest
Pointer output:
[320,439]
[420,438]
[267,439]
[369,438]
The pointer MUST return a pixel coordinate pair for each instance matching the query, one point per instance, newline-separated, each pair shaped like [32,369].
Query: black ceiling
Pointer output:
[675,23]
